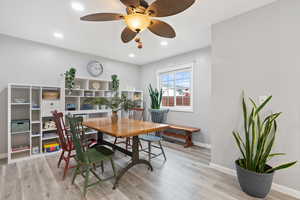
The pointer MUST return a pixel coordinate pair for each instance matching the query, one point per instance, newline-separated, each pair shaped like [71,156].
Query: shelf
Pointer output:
[50,129]
[35,109]
[35,122]
[33,136]
[73,96]
[49,136]
[19,151]
[19,104]
[21,132]
[51,153]
[74,112]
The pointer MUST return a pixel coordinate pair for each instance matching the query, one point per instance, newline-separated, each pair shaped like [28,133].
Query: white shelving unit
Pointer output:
[32,109]
[134,95]
[87,88]
[36,109]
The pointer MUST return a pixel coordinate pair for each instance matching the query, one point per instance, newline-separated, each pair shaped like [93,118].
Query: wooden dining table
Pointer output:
[124,128]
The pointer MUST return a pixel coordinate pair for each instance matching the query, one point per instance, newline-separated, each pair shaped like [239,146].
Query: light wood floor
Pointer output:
[185,176]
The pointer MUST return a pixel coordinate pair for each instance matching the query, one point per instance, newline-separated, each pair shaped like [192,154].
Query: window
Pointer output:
[176,85]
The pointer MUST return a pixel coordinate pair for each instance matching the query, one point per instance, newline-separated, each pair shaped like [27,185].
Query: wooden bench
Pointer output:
[187,136]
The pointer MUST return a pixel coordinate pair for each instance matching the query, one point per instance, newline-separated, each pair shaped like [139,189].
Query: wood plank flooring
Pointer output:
[185,176]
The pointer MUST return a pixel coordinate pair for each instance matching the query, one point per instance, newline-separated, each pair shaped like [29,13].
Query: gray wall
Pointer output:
[29,62]
[201,98]
[257,52]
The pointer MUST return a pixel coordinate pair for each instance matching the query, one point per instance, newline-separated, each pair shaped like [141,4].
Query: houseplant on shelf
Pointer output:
[254,174]
[115,103]
[70,79]
[158,114]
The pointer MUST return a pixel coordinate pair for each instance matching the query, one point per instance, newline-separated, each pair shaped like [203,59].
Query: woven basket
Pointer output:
[50,95]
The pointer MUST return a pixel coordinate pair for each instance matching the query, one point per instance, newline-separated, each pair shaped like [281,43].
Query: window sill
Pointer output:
[178,109]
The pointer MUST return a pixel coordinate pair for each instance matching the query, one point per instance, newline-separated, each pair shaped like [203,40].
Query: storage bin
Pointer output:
[51,147]
[21,125]
[50,95]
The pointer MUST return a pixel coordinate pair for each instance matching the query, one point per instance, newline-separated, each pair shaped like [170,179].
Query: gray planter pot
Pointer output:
[159,115]
[253,183]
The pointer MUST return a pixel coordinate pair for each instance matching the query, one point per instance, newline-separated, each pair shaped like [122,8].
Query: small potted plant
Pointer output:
[70,79]
[158,114]
[254,173]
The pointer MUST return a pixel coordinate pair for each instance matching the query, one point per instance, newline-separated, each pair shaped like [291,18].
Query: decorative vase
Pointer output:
[114,117]
[253,183]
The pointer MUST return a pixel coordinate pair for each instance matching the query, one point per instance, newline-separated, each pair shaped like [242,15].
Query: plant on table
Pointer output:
[257,143]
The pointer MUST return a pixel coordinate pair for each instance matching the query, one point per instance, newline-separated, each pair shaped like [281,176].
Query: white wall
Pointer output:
[201,93]
[257,52]
[29,62]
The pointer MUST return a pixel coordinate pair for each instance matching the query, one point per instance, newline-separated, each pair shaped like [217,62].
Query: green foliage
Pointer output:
[115,83]
[259,139]
[115,103]
[70,78]
[156,97]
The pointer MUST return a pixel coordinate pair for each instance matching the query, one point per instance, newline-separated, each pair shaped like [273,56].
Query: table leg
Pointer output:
[188,140]
[135,160]
[100,138]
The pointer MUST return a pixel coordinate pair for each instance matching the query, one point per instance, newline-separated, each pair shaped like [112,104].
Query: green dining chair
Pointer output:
[88,158]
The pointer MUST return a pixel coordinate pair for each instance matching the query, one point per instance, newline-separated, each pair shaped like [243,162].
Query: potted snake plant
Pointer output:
[254,174]
[158,114]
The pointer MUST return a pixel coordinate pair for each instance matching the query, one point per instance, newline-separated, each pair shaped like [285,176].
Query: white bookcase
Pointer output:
[25,102]
[134,95]
[86,88]
[37,111]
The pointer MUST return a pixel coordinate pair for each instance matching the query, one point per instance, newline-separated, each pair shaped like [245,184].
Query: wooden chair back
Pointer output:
[136,113]
[76,129]
[61,130]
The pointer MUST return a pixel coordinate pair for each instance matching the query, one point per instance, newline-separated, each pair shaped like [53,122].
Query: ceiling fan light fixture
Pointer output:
[137,22]
[77,6]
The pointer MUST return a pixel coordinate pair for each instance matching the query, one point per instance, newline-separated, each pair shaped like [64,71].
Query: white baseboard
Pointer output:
[204,145]
[275,186]
[3,155]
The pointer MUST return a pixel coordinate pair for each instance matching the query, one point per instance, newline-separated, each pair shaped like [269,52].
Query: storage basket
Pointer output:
[50,95]
[21,125]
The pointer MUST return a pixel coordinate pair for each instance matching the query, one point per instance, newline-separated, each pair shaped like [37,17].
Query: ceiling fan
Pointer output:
[140,17]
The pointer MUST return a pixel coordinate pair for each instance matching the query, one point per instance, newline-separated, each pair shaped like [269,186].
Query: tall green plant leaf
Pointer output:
[284,166]
[263,105]
[260,134]
[239,142]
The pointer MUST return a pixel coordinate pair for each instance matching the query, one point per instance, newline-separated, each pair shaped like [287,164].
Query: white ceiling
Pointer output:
[37,20]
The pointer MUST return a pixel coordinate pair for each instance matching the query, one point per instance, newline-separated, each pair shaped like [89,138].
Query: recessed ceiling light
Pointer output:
[131,55]
[164,43]
[77,6]
[58,35]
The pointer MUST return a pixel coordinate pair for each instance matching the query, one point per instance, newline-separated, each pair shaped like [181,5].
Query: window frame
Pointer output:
[178,68]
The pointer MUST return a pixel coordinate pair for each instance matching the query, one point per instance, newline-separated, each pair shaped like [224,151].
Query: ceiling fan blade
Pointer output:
[164,8]
[131,3]
[102,17]
[162,29]
[128,35]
